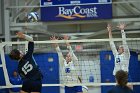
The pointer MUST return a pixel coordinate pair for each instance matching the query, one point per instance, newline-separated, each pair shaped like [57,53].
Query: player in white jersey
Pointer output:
[122,55]
[70,68]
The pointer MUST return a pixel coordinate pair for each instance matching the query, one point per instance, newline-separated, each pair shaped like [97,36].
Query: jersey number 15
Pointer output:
[27,68]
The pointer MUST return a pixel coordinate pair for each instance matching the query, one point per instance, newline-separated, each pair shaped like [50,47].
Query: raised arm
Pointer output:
[60,55]
[24,36]
[73,56]
[30,44]
[111,42]
[125,46]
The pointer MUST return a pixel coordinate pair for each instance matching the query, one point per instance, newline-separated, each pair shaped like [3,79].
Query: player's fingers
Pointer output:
[60,38]
[18,33]
[50,38]
[109,25]
[57,38]
[66,37]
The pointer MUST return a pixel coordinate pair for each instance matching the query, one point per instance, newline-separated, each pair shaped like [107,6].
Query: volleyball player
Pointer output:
[15,79]
[122,55]
[27,67]
[70,68]
[121,80]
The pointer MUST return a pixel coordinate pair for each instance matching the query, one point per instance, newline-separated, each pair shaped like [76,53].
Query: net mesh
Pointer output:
[94,66]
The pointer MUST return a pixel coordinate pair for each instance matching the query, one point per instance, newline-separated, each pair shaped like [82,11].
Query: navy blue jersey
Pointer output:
[27,67]
[120,89]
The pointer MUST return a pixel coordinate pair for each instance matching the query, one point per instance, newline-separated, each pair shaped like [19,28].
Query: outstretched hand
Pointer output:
[121,26]
[66,38]
[20,35]
[54,38]
[109,27]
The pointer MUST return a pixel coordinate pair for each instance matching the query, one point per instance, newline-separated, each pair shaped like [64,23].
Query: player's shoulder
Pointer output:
[126,89]
[118,89]
[111,90]
[115,89]
[130,90]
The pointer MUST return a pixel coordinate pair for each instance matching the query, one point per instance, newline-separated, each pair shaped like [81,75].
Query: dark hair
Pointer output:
[15,70]
[15,54]
[121,77]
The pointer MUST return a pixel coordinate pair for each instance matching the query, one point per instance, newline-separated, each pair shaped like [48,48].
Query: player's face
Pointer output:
[120,50]
[15,73]
[68,57]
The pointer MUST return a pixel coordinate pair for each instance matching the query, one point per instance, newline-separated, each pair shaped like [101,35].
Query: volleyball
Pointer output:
[85,89]
[33,17]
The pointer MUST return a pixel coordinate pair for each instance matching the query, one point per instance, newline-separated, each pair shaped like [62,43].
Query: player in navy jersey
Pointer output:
[27,67]
[121,80]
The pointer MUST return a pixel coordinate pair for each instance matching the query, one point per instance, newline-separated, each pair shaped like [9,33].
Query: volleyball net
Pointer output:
[94,67]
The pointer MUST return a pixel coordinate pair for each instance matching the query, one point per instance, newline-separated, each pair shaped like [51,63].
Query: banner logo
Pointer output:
[77,12]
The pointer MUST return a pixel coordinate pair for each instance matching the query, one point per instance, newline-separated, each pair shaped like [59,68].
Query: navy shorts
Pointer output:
[74,89]
[32,85]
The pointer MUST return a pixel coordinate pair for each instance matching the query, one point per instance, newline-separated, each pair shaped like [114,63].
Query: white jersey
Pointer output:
[70,71]
[121,60]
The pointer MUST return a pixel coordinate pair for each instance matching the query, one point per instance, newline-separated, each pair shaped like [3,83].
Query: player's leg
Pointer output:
[21,91]
[32,86]
[36,86]
[25,86]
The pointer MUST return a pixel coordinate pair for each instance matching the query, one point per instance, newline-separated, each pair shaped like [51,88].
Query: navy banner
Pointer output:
[72,12]
[83,12]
